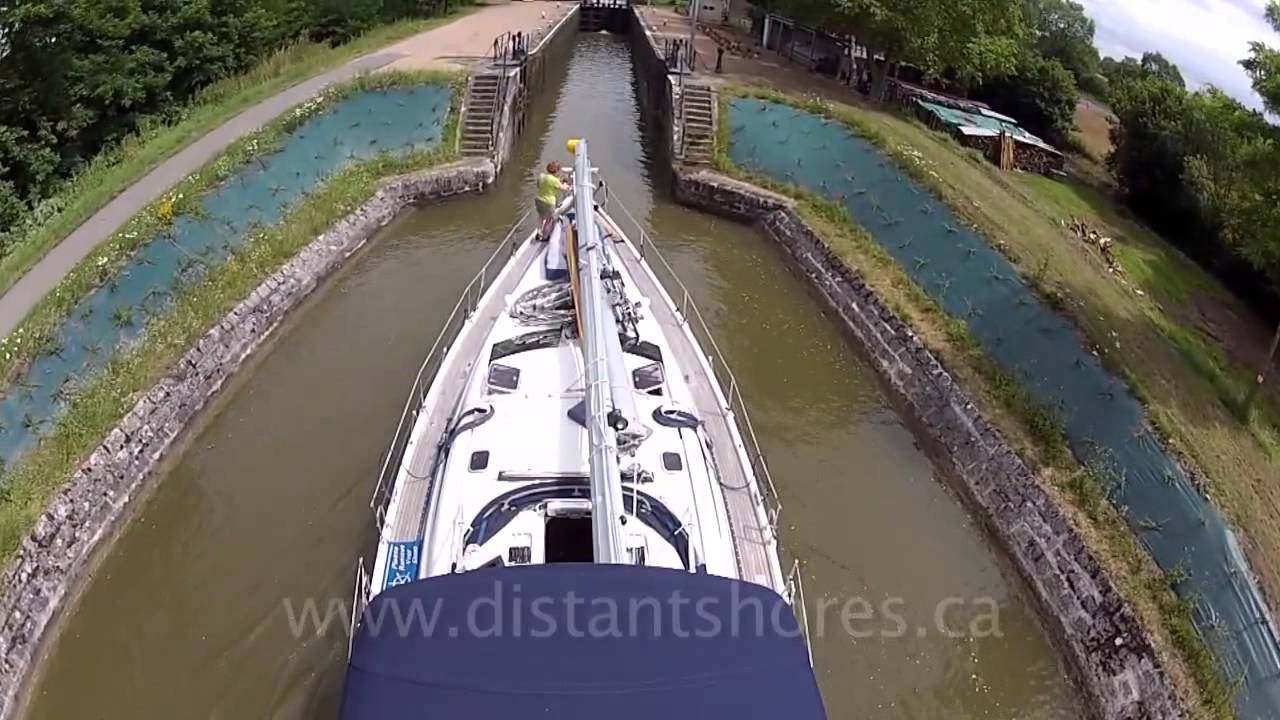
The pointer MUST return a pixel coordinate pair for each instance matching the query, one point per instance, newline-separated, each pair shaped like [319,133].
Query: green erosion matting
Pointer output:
[360,126]
[1103,421]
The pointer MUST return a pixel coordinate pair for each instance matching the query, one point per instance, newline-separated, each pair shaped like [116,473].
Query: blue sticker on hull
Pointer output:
[402,563]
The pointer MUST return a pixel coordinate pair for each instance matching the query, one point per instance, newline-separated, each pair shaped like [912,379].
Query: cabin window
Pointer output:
[646,350]
[503,378]
[536,340]
[520,555]
[648,378]
[479,460]
[569,540]
[672,462]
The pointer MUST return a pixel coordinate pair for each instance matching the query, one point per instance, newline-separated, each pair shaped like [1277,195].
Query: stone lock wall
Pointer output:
[658,94]
[1112,659]
[86,510]
[552,45]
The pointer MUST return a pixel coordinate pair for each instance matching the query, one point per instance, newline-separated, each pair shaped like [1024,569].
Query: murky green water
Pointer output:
[186,617]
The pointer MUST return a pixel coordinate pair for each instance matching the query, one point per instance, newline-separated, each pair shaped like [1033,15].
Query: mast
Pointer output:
[601,350]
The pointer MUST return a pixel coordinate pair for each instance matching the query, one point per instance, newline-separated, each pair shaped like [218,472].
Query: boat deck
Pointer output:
[754,542]
[414,482]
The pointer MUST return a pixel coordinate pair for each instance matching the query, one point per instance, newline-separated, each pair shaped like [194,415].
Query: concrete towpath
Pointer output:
[470,39]
[455,45]
[750,64]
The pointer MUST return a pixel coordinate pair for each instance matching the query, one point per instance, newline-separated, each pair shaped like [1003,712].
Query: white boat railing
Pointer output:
[359,601]
[462,311]
[737,406]
[795,596]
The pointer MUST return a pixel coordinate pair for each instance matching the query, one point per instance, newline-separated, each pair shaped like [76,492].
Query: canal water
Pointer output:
[190,613]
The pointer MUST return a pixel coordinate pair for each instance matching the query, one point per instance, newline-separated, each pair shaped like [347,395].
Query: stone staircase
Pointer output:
[477,122]
[699,104]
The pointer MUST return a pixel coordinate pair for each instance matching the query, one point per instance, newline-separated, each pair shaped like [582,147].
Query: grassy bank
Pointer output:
[102,400]
[112,171]
[33,336]
[1170,289]
[1135,319]
[1034,431]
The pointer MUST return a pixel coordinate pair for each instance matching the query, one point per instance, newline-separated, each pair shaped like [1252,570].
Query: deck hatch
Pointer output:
[648,378]
[503,378]
[672,462]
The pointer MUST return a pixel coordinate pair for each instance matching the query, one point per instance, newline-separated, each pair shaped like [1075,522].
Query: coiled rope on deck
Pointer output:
[547,304]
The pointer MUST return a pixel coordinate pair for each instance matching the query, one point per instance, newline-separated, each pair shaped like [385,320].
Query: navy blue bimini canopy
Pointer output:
[579,642]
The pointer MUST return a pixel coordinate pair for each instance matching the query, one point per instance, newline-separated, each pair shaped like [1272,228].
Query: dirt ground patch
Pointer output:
[1093,126]
[1238,336]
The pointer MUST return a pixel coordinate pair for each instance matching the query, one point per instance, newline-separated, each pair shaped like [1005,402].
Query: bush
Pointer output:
[1196,167]
[77,76]
[1096,85]
[12,210]
[1041,95]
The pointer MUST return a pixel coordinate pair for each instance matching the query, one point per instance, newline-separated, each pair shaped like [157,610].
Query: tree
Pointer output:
[1061,30]
[340,20]
[77,75]
[1261,247]
[1119,72]
[1225,141]
[1041,94]
[1263,64]
[974,39]
[1096,84]
[12,208]
[1153,63]
[1148,152]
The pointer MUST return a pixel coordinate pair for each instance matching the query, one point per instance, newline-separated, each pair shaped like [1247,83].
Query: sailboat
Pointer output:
[574,518]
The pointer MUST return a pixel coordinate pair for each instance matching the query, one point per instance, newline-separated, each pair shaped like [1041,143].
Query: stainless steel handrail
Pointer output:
[462,311]
[683,119]
[674,52]
[508,48]
[737,406]
[359,600]
[495,118]
[795,596]
[500,93]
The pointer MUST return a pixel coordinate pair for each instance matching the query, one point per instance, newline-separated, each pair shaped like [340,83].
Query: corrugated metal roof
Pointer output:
[988,123]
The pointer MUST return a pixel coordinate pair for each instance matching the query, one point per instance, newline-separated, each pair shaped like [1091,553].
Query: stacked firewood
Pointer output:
[1105,245]
[731,44]
[1029,158]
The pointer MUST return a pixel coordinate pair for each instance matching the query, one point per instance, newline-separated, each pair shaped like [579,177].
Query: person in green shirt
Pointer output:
[549,186]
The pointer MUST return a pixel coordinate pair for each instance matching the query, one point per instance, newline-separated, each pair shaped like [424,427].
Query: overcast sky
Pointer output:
[1206,38]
